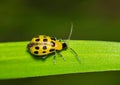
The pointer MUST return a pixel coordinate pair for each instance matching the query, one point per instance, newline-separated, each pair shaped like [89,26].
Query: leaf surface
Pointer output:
[16,62]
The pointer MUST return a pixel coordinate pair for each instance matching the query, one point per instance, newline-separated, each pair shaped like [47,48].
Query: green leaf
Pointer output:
[16,62]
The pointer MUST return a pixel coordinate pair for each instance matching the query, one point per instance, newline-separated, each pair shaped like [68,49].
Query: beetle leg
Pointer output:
[62,56]
[54,58]
[60,40]
[44,57]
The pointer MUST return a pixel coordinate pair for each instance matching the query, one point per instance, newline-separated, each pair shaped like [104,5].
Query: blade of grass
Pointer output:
[16,62]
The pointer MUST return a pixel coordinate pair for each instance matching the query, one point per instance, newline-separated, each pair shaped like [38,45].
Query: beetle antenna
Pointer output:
[71,30]
[77,56]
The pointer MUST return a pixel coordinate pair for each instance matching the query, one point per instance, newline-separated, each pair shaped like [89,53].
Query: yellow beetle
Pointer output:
[43,45]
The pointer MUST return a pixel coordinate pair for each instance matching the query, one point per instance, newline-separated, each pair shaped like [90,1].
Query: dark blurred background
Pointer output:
[93,19]
[20,20]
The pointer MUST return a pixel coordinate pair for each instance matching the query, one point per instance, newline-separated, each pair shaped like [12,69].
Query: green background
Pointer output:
[20,20]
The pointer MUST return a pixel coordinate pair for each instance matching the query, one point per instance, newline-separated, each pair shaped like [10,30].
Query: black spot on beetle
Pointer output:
[36,52]
[30,45]
[44,51]
[44,47]
[51,50]
[52,44]
[45,40]
[37,48]
[37,40]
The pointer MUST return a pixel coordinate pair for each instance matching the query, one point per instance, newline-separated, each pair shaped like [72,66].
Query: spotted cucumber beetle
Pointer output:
[43,45]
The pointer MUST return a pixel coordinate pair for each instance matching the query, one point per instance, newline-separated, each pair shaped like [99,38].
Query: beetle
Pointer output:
[43,45]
